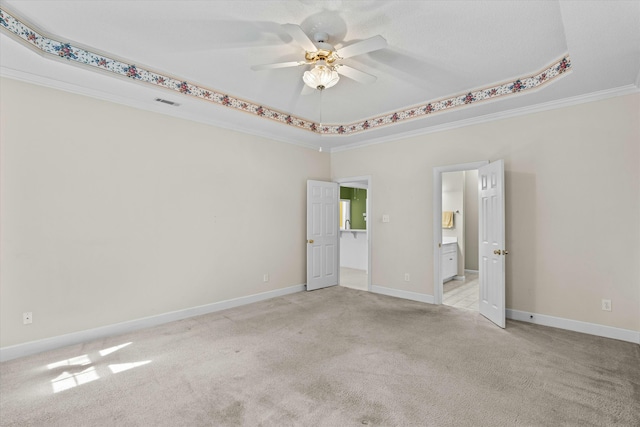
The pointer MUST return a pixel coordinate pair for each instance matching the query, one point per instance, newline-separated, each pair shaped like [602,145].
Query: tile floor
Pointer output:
[462,293]
[352,278]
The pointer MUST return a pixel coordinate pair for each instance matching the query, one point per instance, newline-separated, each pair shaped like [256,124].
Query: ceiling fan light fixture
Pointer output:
[321,76]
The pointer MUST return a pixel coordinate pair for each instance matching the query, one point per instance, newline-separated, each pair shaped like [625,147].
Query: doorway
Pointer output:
[439,205]
[355,233]
[491,237]
[459,252]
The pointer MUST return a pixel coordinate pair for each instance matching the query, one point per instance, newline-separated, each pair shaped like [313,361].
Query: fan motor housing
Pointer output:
[325,52]
[329,56]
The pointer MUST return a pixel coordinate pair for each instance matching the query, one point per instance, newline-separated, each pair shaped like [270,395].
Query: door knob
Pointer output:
[496,252]
[505,252]
[310,241]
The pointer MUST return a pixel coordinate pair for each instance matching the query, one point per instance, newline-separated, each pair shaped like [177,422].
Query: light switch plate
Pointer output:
[385,218]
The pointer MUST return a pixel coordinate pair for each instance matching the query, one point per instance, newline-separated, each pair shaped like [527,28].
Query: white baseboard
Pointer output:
[576,325]
[458,278]
[470,271]
[414,296]
[33,347]
[539,319]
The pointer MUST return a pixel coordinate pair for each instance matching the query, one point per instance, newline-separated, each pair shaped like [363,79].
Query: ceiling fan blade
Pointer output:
[357,75]
[260,67]
[300,37]
[365,46]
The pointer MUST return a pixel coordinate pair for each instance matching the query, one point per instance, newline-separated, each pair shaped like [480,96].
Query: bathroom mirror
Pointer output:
[345,214]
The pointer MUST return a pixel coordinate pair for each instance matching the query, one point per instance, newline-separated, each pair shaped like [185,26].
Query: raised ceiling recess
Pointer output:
[385,69]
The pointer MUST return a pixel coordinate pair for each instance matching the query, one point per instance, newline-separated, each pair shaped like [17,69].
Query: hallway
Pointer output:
[354,279]
[462,293]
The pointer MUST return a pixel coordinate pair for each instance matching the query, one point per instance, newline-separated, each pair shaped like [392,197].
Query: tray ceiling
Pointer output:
[441,65]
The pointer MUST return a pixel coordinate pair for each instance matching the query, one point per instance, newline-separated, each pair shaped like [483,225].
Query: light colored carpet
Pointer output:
[332,357]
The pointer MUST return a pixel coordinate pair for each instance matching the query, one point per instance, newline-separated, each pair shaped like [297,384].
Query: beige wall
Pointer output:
[110,214]
[572,206]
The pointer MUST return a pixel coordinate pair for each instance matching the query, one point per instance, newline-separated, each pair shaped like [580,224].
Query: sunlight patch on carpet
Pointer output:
[80,370]
[121,367]
[67,380]
[113,349]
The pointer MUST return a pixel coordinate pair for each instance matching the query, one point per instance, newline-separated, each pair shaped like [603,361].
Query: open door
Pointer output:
[492,251]
[322,234]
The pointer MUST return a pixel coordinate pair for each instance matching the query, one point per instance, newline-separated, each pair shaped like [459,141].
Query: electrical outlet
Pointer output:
[606,304]
[385,218]
[27,317]
[265,278]
[407,277]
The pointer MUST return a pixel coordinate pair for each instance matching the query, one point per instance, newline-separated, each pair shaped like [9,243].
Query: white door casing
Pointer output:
[322,234]
[492,241]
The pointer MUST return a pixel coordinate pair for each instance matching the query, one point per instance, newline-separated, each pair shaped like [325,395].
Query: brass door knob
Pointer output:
[496,252]
[310,241]
[505,252]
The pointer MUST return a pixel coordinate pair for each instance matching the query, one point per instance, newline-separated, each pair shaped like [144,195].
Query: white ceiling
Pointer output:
[436,49]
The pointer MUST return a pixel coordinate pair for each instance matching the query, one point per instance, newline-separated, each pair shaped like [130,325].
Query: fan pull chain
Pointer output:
[321,111]
[320,116]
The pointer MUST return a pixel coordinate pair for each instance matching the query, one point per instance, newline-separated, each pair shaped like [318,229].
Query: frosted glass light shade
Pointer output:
[321,77]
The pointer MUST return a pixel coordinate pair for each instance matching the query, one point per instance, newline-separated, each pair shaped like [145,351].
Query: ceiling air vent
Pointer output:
[166,101]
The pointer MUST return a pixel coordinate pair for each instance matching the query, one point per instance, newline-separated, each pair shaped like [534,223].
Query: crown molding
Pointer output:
[161,109]
[51,47]
[141,105]
[537,108]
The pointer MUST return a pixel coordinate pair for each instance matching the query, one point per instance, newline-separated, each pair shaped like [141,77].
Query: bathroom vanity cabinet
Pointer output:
[449,260]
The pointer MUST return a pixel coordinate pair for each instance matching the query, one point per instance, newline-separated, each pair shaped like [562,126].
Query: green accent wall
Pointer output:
[358,197]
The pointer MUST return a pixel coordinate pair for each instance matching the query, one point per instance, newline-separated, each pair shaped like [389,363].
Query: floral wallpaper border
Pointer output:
[82,56]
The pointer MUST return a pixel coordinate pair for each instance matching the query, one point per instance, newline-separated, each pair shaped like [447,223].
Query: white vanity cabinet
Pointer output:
[449,260]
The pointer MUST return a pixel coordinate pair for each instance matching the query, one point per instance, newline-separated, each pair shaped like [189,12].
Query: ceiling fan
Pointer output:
[325,59]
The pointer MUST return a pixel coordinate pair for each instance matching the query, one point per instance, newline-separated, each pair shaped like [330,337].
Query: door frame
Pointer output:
[437,220]
[369,233]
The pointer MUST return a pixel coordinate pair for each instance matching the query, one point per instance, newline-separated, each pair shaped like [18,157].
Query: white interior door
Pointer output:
[322,234]
[492,250]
